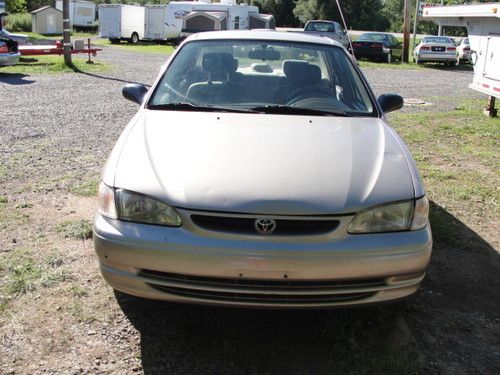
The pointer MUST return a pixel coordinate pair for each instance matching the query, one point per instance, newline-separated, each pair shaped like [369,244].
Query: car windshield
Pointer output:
[263,76]
[436,39]
[372,38]
[320,26]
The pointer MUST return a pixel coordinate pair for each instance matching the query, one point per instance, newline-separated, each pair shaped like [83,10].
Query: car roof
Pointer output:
[269,35]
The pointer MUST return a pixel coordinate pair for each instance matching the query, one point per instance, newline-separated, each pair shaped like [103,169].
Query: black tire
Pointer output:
[134,38]
[114,41]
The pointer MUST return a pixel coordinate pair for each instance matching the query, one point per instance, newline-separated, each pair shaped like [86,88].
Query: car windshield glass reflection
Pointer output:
[254,74]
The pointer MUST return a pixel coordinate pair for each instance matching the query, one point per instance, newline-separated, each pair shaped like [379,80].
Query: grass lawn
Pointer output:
[457,155]
[54,64]
[141,47]
[34,37]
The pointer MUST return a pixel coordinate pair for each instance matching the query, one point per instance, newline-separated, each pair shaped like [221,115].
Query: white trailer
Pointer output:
[81,13]
[483,25]
[121,22]
[166,22]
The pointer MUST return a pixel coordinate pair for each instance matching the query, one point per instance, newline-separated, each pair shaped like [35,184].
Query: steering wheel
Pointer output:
[308,92]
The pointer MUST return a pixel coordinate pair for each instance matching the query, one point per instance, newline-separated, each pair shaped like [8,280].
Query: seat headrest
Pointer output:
[301,72]
[218,62]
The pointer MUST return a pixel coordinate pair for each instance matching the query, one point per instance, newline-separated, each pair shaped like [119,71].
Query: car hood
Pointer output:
[263,164]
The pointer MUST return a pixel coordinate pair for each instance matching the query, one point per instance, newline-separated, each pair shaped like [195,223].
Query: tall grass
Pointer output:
[18,22]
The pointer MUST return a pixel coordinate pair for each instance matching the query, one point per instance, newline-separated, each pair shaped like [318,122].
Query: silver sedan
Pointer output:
[278,186]
[9,54]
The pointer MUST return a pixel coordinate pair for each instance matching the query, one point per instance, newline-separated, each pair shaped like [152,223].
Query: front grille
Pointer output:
[244,225]
[263,298]
[262,291]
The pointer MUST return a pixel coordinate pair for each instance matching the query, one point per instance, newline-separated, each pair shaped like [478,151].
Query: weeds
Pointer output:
[76,229]
[85,189]
[18,22]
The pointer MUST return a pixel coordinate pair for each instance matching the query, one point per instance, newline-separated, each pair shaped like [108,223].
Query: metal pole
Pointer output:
[415,23]
[66,35]
[440,28]
[406,30]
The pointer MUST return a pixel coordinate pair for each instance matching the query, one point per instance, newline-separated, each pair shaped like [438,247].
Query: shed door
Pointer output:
[51,24]
[492,60]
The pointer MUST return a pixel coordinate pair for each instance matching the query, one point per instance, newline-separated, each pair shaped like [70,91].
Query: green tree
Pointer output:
[281,9]
[15,6]
[359,14]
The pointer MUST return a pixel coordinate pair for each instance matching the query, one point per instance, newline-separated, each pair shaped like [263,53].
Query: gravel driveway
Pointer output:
[57,130]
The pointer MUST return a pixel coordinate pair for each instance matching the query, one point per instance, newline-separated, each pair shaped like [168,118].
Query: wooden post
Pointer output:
[406,30]
[66,34]
[490,109]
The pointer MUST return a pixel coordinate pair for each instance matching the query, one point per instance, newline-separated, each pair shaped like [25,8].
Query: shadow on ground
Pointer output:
[15,79]
[448,327]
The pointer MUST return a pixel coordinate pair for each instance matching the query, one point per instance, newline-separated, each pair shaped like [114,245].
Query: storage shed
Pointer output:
[47,20]
[195,22]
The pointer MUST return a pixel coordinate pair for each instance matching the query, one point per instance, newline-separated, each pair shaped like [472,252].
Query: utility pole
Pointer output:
[440,28]
[406,30]
[66,36]
[415,22]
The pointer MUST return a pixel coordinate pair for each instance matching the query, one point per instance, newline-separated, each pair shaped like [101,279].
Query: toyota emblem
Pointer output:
[265,226]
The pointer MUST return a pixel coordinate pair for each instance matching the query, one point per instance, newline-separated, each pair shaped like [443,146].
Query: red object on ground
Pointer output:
[53,49]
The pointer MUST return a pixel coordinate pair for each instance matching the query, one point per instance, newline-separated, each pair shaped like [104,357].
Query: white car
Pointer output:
[464,54]
[282,186]
[9,54]
[21,39]
[436,49]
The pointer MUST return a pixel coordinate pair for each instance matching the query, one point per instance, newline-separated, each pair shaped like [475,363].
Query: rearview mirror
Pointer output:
[390,102]
[135,92]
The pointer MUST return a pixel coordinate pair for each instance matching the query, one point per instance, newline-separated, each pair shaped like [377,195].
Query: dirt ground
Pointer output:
[57,315]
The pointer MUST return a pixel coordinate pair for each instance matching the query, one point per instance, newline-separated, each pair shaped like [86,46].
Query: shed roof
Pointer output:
[44,8]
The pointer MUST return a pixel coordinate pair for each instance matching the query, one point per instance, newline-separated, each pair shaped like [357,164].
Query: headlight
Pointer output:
[129,206]
[395,217]
[139,208]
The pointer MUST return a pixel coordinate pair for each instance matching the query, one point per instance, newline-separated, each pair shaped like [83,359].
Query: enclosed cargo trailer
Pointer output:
[81,13]
[121,22]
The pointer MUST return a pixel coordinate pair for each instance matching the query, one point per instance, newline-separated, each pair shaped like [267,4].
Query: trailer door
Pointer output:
[110,22]
[155,23]
[492,60]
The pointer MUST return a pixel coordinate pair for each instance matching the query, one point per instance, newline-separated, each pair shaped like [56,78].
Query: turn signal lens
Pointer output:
[106,201]
[421,215]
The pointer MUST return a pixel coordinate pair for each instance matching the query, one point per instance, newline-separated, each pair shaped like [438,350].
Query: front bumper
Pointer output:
[7,59]
[194,265]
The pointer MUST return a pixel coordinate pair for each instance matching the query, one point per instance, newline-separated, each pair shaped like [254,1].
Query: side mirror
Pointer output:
[135,92]
[390,102]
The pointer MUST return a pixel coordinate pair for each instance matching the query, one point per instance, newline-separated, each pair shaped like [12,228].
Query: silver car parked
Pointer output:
[281,186]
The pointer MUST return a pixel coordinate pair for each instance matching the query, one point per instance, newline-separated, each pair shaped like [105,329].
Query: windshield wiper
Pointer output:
[288,110]
[196,108]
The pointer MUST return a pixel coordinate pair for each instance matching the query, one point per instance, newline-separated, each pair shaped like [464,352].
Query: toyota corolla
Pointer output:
[260,171]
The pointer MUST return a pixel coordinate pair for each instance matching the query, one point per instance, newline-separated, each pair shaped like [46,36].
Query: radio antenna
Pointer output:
[345,26]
